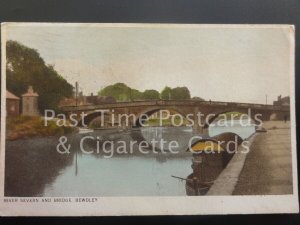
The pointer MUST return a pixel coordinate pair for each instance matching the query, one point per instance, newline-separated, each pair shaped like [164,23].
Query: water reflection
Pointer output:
[234,126]
[34,168]
[32,164]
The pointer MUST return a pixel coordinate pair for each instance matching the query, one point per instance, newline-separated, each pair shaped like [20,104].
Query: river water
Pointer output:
[35,168]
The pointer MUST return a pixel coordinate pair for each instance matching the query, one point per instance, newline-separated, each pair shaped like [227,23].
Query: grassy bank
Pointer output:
[31,126]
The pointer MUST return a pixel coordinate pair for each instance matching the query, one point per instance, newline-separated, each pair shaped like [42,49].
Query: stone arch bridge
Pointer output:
[137,111]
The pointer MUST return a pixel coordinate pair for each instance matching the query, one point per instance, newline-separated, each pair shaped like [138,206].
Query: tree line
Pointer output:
[25,67]
[122,92]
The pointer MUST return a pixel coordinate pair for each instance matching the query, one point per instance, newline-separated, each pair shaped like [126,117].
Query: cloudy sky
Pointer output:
[221,64]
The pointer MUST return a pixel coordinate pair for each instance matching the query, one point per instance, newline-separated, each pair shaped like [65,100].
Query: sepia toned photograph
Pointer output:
[152,115]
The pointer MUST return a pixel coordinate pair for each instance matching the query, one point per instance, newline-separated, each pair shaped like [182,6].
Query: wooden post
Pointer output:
[196,122]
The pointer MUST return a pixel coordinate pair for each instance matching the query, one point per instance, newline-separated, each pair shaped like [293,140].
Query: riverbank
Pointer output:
[22,127]
[268,166]
[265,169]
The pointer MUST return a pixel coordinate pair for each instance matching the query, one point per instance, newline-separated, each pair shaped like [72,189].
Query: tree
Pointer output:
[136,95]
[180,93]
[120,91]
[25,67]
[150,94]
[197,98]
[166,93]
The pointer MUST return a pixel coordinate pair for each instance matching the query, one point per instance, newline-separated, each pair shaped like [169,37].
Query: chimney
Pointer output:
[279,98]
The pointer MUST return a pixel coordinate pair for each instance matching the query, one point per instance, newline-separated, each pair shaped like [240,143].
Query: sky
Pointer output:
[233,64]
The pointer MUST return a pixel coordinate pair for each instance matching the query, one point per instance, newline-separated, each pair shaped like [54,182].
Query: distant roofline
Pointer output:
[10,95]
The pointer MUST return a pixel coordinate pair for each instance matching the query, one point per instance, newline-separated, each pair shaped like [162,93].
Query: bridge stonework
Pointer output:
[210,110]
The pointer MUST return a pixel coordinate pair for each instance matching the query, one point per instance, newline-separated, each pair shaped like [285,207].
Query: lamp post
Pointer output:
[76,93]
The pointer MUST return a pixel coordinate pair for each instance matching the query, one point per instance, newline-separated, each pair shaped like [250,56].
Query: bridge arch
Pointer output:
[89,118]
[142,116]
[280,116]
[209,120]
[273,116]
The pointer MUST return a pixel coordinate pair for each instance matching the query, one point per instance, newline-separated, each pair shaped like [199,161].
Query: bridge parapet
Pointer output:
[178,103]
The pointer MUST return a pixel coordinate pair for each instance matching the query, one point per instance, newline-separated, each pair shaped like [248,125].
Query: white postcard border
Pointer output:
[153,205]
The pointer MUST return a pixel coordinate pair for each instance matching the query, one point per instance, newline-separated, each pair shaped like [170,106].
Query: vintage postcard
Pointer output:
[147,119]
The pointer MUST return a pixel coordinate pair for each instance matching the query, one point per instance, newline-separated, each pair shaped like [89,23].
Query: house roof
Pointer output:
[10,95]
